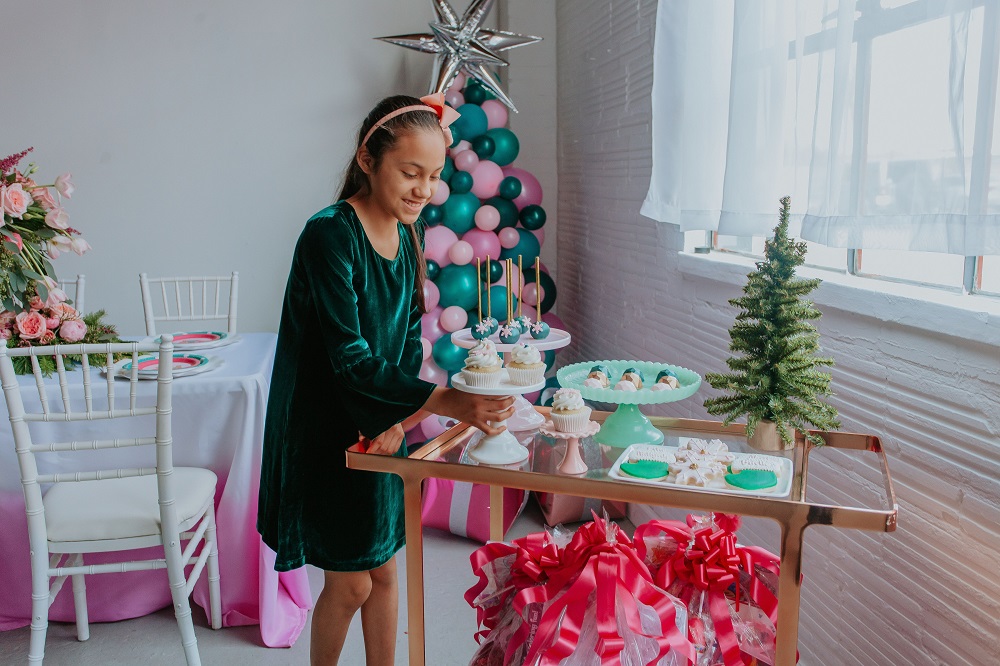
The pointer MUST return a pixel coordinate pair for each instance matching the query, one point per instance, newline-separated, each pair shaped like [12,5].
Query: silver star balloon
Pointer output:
[460,44]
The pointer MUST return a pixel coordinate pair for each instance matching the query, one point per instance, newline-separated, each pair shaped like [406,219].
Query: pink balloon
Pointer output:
[530,295]
[461,146]
[487,217]
[530,397]
[539,234]
[460,253]
[415,434]
[458,83]
[454,318]
[466,160]
[441,194]
[437,241]
[486,177]
[553,321]
[428,347]
[484,243]
[432,372]
[430,324]
[496,113]
[431,294]
[434,425]
[509,238]
[531,189]
[515,278]
[455,98]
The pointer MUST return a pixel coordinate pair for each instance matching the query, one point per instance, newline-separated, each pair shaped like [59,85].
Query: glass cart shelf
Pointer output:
[445,457]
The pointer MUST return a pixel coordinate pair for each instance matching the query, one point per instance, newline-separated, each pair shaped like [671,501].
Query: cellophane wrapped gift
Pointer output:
[730,591]
[589,602]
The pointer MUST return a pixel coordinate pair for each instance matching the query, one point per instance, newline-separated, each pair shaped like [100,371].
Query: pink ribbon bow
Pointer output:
[446,115]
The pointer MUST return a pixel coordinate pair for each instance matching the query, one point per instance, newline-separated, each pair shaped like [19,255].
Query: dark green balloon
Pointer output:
[447,355]
[496,271]
[432,269]
[432,215]
[548,287]
[506,145]
[460,212]
[475,94]
[507,210]
[483,146]
[461,182]
[473,122]
[499,309]
[456,136]
[549,356]
[457,285]
[527,248]
[449,170]
[532,217]
[510,187]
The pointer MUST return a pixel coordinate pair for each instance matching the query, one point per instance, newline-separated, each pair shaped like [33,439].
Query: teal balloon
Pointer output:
[432,215]
[507,210]
[461,182]
[483,146]
[460,212]
[433,269]
[510,187]
[499,296]
[527,248]
[506,145]
[458,285]
[496,272]
[473,122]
[548,286]
[456,136]
[550,359]
[475,94]
[532,217]
[449,169]
[448,355]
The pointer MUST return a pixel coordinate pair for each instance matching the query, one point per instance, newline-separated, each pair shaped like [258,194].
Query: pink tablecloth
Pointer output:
[218,423]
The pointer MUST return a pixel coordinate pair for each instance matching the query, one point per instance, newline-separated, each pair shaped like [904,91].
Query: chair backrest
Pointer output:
[74,289]
[76,401]
[189,299]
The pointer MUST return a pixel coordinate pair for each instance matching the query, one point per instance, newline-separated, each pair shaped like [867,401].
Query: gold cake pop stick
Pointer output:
[489,289]
[538,291]
[520,288]
[510,310]
[479,288]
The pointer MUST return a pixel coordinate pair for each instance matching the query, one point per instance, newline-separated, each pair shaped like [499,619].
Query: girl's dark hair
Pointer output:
[382,140]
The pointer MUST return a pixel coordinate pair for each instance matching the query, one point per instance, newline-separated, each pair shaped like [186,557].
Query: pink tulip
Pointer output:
[79,246]
[65,186]
[57,218]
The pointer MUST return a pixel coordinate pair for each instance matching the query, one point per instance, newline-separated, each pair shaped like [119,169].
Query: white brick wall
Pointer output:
[924,378]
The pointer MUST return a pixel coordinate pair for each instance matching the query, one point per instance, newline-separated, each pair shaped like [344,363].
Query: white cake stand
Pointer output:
[502,449]
[525,417]
[572,462]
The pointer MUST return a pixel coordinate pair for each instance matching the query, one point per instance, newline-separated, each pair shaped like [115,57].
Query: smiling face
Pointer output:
[407,176]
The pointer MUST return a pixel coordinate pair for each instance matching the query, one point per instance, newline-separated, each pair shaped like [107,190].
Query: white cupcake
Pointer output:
[569,414]
[482,369]
[525,366]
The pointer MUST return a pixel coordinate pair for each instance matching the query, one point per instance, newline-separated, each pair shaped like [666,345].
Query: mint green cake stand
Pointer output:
[627,425]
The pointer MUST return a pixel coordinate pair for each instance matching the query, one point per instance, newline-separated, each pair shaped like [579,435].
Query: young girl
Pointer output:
[346,368]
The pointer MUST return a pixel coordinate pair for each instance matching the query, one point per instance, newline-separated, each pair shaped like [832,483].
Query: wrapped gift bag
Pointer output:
[463,508]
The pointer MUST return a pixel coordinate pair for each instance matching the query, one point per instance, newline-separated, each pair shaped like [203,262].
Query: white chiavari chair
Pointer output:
[71,514]
[189,299]
[75,291]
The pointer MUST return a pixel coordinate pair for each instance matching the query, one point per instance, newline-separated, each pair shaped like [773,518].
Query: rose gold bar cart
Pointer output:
[444,458]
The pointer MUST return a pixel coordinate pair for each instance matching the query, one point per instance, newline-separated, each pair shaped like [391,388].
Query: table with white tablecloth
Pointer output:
[218,423]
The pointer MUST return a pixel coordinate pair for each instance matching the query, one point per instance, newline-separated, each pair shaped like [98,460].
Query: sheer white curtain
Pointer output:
[877,117]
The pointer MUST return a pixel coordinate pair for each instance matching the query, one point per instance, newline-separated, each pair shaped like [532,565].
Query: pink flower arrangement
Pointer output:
[47,324]
[34,228]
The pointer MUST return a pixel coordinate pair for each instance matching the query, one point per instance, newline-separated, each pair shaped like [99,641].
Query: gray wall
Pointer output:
[922,375]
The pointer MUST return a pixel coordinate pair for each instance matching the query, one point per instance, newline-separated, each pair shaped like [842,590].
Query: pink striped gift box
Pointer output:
[463,508]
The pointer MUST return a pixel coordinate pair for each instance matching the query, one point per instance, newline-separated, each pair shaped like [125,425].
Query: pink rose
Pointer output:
[64,185]
[31,325]
[43,198]
[15,238]
[48,337]
[7,318]
[63,311]
[36,303]
[79,246]
[5,333]
[14,199]
[57,218]
[73,330]
[52,323]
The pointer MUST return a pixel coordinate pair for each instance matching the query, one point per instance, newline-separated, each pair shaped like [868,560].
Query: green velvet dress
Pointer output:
[347,360]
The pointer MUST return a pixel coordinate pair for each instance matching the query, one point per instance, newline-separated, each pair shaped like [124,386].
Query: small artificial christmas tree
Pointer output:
[776,378]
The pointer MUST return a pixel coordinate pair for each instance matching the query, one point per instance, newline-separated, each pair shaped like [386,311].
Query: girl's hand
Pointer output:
[480,411]
[388,442]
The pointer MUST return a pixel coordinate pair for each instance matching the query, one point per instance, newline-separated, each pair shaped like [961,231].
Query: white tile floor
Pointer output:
[154,641]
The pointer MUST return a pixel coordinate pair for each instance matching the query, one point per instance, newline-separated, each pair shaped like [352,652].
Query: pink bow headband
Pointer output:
[433,103]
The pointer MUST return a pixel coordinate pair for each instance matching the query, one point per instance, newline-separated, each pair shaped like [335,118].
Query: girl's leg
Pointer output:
[344,592]
[379,616]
